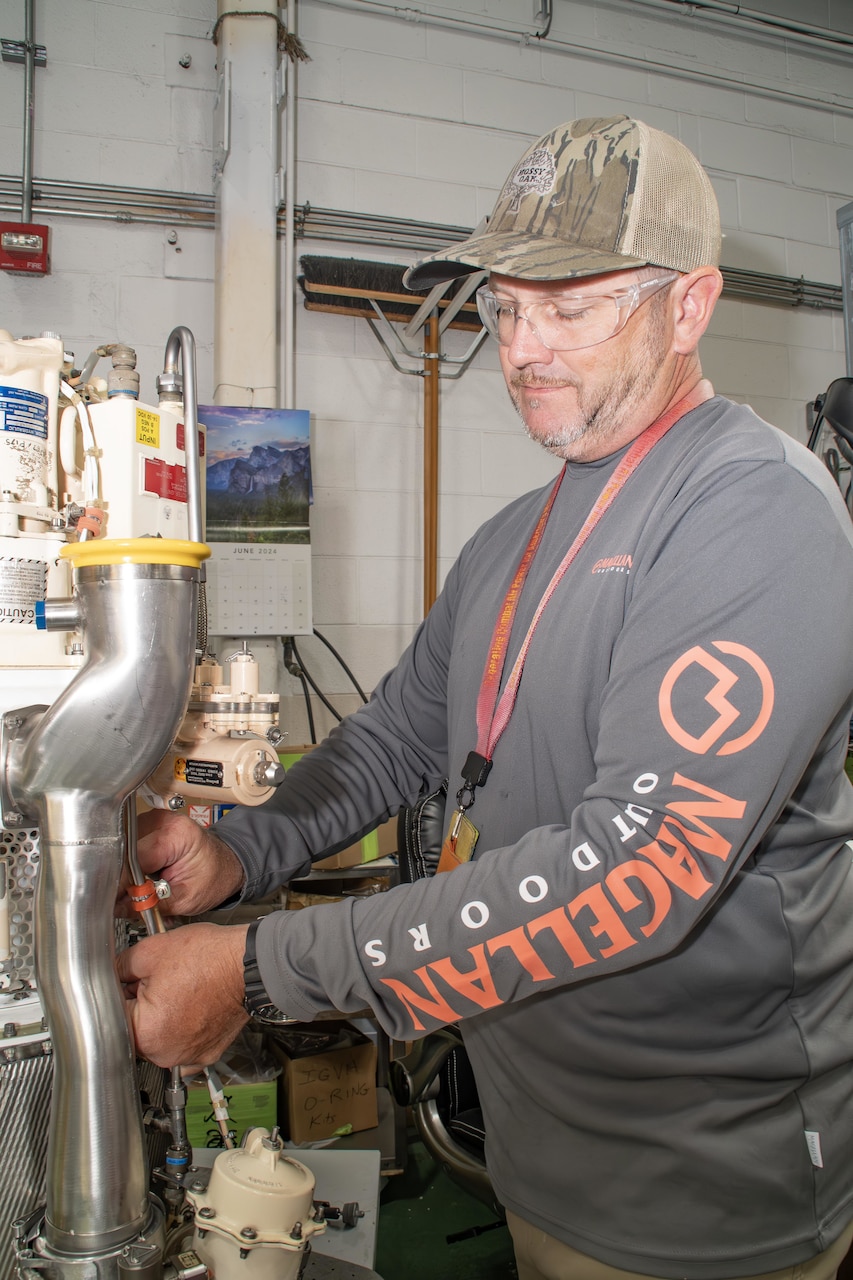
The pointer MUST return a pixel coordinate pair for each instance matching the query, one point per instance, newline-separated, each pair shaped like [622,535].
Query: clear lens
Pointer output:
[567,323]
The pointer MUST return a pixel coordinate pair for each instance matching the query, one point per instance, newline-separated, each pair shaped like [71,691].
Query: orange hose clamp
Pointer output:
[143,896]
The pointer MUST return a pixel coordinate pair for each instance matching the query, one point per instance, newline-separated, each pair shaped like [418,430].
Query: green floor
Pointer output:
[418,1210]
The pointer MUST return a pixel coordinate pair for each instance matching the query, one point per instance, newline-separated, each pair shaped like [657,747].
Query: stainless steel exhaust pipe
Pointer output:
[71,768]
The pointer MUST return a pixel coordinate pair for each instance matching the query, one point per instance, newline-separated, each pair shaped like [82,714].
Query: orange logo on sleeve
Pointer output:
[727,714]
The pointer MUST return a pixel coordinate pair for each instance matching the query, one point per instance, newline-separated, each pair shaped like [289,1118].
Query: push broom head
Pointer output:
[349,286]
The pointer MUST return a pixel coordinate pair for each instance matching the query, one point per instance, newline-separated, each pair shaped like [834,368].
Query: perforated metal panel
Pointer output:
[19,849]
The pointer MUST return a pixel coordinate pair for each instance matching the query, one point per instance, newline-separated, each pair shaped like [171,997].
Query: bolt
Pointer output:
[176,802]
[206,1212]
[249,1233]
[197,1184]
[185,61]
[172,237]
[268,772]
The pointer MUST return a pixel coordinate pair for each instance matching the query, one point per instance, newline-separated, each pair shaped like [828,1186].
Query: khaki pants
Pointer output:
[541,1257]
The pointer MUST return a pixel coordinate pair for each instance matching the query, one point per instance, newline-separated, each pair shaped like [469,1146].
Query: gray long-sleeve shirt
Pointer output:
[651,953]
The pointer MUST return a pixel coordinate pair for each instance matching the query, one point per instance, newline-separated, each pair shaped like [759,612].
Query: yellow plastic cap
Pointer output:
[105,551]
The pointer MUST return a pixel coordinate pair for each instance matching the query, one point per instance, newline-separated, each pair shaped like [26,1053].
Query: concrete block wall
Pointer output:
[421,117]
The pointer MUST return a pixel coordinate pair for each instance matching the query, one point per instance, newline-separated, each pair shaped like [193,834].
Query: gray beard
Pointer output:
[596,423]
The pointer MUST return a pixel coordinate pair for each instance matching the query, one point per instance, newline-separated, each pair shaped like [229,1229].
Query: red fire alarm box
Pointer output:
[24,248]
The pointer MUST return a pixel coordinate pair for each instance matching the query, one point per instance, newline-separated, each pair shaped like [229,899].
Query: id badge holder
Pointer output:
[459,843]
[462,836]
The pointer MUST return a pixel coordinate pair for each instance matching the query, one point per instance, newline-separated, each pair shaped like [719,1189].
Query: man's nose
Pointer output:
[526,346]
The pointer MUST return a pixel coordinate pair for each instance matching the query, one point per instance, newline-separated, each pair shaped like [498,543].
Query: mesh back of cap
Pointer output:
[674,219]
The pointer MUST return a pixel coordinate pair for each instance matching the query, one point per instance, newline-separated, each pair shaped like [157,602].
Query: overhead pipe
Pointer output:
[784,28]
[289,279]
[29,109]
[770,24]
[349,227]
[488,26]
[245,346]
[575,46]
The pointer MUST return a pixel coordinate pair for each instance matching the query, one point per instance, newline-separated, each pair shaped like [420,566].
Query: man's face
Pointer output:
[580,404]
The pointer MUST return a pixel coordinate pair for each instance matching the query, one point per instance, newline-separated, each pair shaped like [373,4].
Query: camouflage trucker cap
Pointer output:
[591,196]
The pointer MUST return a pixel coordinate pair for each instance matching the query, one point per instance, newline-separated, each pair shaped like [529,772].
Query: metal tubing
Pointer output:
[152,917]
[29,111]
[288,302]
[181,340]
[348,227]
[246,366]
[431,418]
[75,768]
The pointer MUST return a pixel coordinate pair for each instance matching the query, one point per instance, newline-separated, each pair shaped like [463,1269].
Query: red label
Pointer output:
[165,480]
[179,440]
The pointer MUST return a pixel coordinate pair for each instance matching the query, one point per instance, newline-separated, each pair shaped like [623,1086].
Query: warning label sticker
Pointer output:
[22,583]
[24,412]
[164,479]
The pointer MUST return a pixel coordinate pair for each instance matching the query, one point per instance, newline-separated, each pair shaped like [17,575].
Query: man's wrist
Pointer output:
[231,869]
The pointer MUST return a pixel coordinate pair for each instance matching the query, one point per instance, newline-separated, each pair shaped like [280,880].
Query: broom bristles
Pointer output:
[346,286]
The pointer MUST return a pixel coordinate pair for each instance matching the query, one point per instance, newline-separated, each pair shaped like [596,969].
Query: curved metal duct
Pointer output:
[71,768]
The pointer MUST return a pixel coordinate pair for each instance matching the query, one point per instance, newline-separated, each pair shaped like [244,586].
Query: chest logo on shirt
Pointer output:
[680,689]
[613,564]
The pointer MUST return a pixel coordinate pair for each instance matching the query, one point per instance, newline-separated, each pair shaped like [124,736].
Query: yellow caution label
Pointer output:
[148,428]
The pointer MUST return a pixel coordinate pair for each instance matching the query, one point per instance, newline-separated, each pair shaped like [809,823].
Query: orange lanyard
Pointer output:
[493,713]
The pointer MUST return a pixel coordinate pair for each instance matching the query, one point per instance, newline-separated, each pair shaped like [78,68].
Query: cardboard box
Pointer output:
[328,1081]
[294,899]
[376,844]
[249,1105]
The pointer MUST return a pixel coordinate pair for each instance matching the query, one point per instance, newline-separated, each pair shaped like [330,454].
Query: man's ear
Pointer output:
[694,297]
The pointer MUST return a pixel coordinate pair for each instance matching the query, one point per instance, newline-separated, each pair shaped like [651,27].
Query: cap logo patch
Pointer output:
[536,172]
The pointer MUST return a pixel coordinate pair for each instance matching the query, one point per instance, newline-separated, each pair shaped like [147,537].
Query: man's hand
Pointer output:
[201,869]
[185,993]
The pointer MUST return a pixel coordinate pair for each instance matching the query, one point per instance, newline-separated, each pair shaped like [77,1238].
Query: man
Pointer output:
[639,681]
